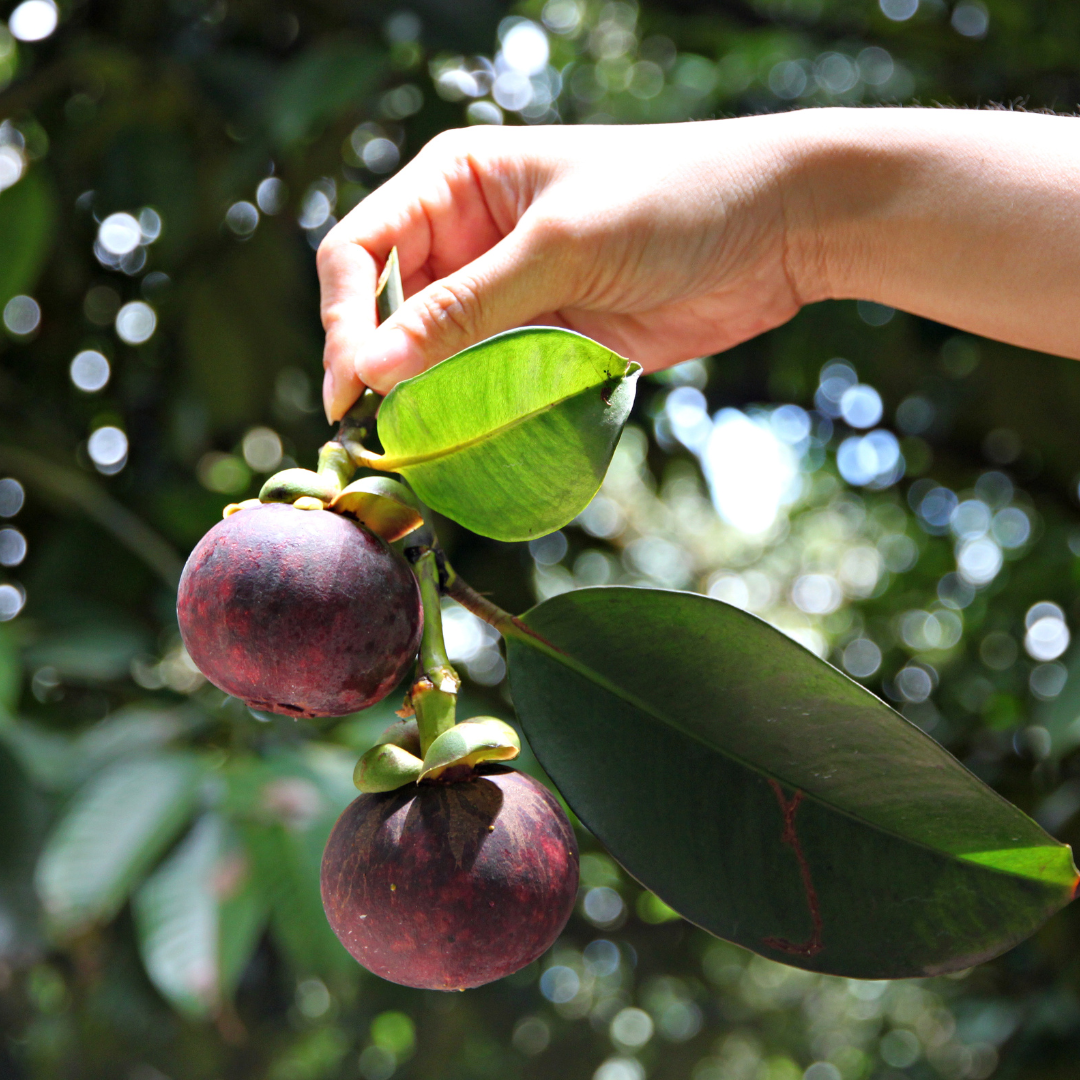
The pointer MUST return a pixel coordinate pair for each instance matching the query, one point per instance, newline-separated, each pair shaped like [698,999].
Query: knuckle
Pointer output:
[453,307]
[329,250]
[447,144]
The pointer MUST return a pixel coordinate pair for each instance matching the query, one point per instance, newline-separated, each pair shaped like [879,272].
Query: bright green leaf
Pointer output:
[770,799]
[512,437]
[114,829]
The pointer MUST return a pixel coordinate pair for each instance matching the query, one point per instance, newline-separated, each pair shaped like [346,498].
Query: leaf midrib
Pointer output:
[631,699]
[391,464]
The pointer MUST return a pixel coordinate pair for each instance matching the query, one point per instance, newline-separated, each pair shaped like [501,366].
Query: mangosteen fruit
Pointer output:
[299,612]
[446,886]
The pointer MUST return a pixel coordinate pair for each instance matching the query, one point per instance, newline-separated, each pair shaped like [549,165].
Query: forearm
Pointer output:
[968,218]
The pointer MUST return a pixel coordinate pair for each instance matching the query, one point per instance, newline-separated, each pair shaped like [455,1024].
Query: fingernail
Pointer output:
[388,357]
[329,390]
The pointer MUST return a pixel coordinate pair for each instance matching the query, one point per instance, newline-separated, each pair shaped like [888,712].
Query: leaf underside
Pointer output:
[198,918]
[512,437]
[770,799]
[113,831]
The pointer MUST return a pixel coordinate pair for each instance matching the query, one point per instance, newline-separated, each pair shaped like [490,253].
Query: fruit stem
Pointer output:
[510,626]
[389,295]
[357,424]
[434,695]
[335,465]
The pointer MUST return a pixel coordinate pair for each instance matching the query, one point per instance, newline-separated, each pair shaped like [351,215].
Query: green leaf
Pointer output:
[319,85]
[114,829]
[512,437]
[10,671]
[198,919]
[27,216]
[285,808]
[1061,714]
[770,799]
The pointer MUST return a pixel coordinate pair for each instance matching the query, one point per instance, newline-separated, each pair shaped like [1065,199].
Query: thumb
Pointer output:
[508,285]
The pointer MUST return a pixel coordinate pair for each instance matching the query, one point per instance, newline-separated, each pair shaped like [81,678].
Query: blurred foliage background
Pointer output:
[900,498]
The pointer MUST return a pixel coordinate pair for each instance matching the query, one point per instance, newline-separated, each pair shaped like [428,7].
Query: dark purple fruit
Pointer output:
[300,612]
[447,886]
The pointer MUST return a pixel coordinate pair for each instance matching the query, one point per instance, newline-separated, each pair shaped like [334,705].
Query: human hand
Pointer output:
[663,242]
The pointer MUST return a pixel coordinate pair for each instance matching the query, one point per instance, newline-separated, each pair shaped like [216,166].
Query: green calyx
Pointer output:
[395,761]
[291,484]
[481,738]
[384,506]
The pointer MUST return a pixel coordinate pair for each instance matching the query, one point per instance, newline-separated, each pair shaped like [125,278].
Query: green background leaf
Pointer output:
[511,438]
[115,828]
[198,918]
[682,736]
[27,216]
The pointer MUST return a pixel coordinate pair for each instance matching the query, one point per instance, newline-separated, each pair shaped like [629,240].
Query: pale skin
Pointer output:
[673,241]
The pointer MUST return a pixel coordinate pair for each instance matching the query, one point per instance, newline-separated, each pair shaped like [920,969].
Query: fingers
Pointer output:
[507,286]
[437,216]
[348,274]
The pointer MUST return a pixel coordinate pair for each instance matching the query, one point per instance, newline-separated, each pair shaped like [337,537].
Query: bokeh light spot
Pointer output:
[12,164]
[12,497]
[262,449]
[108,448]
[89,371]
[971,19]
[33,20]
[11,602]
[271,195]
[603,906]
[136,322]
[483,112]
[119,234]
[380,155]
[242,218]
[632,1028]
[12,547]
[898,10]
[862,658]
[525,48]
[560,984]
[22,315]
[751,473]
[860,406]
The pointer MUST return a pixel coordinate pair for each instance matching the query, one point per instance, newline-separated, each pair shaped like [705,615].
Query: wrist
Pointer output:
[841,177]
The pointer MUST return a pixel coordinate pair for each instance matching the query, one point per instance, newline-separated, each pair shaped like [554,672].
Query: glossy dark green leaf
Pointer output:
[512,437]
[110,835]
[767,797]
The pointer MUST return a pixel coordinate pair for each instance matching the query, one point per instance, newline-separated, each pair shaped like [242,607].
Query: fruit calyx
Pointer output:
[386,507]
[453,757]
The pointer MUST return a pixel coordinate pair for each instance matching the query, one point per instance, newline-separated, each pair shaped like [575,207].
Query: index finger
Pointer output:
[434,212]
